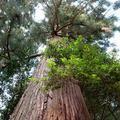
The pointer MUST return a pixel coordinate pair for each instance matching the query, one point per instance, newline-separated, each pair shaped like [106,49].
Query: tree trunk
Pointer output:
[65,103]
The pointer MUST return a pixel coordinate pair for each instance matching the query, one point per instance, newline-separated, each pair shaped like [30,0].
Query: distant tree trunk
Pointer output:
[65,103]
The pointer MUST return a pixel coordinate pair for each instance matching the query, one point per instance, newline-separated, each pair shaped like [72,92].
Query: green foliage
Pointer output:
[98,73]
[17,44]
[15,94]
[20,37]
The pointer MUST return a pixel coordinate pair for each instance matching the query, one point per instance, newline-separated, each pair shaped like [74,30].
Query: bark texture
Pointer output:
[65,103]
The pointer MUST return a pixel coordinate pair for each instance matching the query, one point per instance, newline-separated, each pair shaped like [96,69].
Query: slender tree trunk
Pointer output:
[65,103]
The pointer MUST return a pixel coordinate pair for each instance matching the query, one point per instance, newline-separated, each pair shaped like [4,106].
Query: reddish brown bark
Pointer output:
[65,103]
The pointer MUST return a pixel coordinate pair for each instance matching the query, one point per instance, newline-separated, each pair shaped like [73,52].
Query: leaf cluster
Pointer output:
[97,72]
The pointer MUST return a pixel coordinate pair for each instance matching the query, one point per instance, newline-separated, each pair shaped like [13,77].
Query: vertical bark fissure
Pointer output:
[62,102]
[69,101]
[31,103]
[21,101]
[44,106]
[73,92]
[67,104]
[23,105]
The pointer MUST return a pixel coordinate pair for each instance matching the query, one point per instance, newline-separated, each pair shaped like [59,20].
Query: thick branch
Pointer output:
[8,38]
[34,56]
[71,20]
[14,18]
[3,66]
[64,26]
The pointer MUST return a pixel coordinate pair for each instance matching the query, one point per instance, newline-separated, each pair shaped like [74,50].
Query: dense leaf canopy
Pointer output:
[97,73]
[21,36]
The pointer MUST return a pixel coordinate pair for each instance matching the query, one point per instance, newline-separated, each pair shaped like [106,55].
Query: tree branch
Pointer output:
[34,56]
[3,66]
[8,38]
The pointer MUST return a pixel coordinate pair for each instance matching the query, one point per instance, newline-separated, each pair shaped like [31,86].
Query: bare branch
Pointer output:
[66,25]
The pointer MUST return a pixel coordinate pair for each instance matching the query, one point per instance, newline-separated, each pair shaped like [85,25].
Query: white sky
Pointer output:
[116,38]
[39,13]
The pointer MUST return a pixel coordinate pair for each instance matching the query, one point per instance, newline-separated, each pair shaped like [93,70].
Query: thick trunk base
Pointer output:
[65,103]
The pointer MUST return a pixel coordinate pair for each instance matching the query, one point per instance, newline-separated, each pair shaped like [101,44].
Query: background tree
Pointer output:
[17,48]
[21,36]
